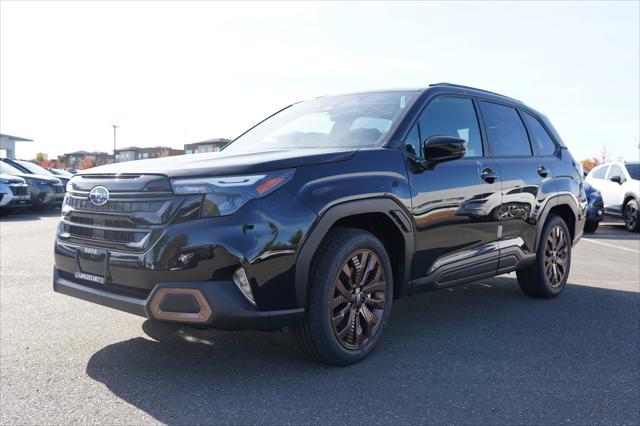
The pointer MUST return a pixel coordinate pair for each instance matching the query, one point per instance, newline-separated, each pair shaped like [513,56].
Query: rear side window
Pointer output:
[540,139]
[452,117]
[601,172]
[505,130]
[634,170]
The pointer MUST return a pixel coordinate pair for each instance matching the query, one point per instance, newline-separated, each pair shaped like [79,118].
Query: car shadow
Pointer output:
[23,215]
[479,353]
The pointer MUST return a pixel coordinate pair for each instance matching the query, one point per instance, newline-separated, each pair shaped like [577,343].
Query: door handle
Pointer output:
[542,171]
[489,175]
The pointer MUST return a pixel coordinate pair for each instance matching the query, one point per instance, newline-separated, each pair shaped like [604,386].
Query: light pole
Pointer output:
[114,142]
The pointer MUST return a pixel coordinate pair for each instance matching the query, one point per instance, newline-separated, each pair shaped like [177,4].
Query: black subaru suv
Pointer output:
[321,215]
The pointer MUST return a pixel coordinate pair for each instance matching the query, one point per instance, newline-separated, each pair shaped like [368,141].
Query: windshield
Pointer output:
[338,121]
[6,169]
[33,168]
[634,170]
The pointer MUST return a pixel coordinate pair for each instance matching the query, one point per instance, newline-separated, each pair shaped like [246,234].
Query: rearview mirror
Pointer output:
[616,179]
[443,148]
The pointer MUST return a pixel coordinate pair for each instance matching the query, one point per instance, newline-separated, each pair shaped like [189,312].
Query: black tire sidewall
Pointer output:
[542,276]
[328,343]
[637,226]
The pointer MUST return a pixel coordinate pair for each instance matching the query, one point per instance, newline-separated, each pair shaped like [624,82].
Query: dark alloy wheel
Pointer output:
[350,298]
[632,216]
[359,298]
[546,277]
[555,256]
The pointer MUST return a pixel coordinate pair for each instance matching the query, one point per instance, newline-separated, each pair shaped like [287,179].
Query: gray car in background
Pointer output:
[46,191]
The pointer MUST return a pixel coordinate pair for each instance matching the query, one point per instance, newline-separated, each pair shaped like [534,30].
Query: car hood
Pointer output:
[6,178]
[41,178]
[226,163]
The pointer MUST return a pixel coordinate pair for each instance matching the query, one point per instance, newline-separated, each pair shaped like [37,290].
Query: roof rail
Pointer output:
[472,88]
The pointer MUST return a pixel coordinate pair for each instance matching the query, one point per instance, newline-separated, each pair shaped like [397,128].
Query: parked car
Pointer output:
[14,192]
[46,190]
[321,215]
[595,208]
[29,167]
[61,173]
[619,184]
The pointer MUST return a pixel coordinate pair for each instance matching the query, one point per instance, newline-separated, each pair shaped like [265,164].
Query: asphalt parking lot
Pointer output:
[479,353]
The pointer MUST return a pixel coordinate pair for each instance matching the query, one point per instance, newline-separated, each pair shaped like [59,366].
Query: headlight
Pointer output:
[224,195]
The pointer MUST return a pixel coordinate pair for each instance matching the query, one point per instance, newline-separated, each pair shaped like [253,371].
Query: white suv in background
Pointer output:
[619,184]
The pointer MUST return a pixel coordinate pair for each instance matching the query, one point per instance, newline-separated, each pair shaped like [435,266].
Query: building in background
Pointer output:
[131,153]
[8,145]
[210,145]
[84,160]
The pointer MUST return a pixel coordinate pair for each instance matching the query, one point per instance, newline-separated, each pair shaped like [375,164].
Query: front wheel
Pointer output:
[632,216]
[547,276]
[350,298]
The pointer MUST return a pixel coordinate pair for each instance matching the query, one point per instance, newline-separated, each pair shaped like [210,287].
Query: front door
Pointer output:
[453,202]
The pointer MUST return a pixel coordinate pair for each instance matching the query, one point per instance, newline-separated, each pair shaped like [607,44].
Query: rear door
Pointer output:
[526,179]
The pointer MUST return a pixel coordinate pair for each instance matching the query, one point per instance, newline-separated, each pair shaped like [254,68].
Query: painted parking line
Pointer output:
[611,245]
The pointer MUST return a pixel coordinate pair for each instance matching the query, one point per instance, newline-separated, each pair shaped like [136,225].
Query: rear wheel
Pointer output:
[547,276]
[632,216]
[350,298]
[591,226]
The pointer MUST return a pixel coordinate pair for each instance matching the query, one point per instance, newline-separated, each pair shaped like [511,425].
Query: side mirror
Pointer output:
[616,179]
[438,149]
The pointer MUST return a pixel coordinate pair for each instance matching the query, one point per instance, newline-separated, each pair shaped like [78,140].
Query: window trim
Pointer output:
[416,122]
[526,130]
[523,111]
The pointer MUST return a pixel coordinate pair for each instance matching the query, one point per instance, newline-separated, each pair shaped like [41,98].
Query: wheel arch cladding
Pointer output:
[383,217]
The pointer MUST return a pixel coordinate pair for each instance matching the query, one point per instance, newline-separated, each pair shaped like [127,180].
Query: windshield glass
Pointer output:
[34,168]
[634,170]
[6,169]
[338,121]
[60,172]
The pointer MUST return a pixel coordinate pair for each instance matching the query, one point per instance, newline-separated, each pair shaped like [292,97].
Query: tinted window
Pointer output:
[601,172]
[616,170]
[412,143]
[634,171]
[541,141]
[453,117]
[506,133]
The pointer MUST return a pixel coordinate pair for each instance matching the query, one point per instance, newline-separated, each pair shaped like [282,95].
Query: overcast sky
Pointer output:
[170,73]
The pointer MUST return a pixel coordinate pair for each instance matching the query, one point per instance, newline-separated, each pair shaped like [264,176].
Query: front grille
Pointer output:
[132,206]
[58,189]
[132,218]
[19,190]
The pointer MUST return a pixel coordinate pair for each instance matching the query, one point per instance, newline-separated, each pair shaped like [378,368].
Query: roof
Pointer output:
[475,89]
[214,140]
[85,153]
[16,138]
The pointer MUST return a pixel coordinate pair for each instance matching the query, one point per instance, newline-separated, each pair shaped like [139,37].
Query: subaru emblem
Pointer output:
[99,195]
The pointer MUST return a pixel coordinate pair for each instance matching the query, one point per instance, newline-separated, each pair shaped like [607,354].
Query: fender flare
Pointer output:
[333,214]
[559,200]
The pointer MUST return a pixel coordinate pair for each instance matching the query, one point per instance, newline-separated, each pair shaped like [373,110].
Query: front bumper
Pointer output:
[228,309]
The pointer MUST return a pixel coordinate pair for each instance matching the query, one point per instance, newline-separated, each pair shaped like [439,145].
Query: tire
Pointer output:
[547,276]
[361,318]
[632,216]
[591,226]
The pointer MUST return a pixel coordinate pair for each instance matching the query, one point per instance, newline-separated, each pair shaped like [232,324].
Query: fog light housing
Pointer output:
[242,282]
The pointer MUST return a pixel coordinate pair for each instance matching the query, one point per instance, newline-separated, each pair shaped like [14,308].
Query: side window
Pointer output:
[452,117]
[505,130]
[616,170]
[412,142]
[540,139]
[601,172]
